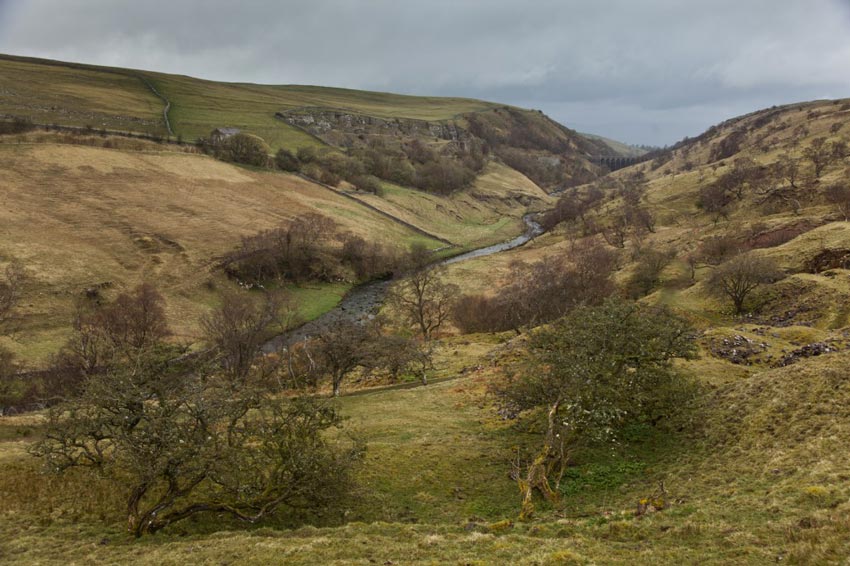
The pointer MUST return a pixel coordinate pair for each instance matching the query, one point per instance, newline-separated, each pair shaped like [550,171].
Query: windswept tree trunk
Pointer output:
[537,476]
[134,519]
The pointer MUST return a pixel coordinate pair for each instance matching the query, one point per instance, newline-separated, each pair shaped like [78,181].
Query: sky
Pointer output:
[639,71]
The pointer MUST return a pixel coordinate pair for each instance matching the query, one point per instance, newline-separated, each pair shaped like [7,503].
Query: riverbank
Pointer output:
[364,301]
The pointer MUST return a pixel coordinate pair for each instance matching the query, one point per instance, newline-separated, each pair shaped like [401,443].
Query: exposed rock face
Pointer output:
[830,259]
[548,153]
[322,123]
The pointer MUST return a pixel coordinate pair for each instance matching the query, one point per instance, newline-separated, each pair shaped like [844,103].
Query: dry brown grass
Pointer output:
[80,216]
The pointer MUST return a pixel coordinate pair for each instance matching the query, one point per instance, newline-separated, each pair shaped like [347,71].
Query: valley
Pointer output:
[514,230]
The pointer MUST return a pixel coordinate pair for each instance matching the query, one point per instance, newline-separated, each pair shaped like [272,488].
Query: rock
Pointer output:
[807,351]
[737,349]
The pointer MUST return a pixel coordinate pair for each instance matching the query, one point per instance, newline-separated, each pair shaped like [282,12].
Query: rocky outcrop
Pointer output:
[322,122]
[737,349]
[808,351]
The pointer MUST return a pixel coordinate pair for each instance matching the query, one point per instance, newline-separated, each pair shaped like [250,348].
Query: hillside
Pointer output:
[622,149]
[760,474]
[78,95]
[88,217]
[71,94]
[112,212]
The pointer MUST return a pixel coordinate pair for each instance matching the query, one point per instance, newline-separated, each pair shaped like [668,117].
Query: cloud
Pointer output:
[644,72]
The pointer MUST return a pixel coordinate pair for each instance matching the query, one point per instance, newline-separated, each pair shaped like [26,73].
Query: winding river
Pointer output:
[365,300]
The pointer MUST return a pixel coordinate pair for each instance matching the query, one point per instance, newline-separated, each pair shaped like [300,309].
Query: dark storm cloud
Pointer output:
[642,71]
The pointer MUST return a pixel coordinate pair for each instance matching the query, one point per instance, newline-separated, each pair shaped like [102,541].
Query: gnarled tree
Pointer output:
[175,433]
[740,276]
[589,374]
[239,327]
[10,291]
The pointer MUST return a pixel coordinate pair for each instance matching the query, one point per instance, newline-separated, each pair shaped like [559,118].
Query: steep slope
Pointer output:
[621,149]
[488,212]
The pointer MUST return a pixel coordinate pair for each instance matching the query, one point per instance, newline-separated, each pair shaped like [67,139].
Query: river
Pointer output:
[365,300]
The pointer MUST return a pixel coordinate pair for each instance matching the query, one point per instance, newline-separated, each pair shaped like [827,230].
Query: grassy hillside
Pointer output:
[199,106]
[81,217]
[122,211]
[78,95]
[489,212]
[74,95]
[293,117]
[621,149]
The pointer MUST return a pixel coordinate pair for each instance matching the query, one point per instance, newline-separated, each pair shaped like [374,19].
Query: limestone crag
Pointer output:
[322,122]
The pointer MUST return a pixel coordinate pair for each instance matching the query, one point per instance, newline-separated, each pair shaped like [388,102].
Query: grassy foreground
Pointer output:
[761,478]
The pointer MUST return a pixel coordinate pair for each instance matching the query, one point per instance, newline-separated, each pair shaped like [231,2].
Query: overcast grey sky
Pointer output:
[641,71]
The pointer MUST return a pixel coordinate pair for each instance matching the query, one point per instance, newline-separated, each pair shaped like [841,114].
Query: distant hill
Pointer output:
[620,148]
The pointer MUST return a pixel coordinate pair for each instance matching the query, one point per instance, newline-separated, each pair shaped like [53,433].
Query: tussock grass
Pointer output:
[761,474]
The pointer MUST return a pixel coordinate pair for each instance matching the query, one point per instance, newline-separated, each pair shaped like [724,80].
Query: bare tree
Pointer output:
[11,287]
[8,369]
[617,230]
[641,218]
[714,250]
[423,299]
[543,291]
[136,319]
[104,334]
[396,354]
[788,168]
[838,195]
[10,293]
[820,153]
[739,277]
[238,328]
[647,274]
[715,199]
[339,349]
